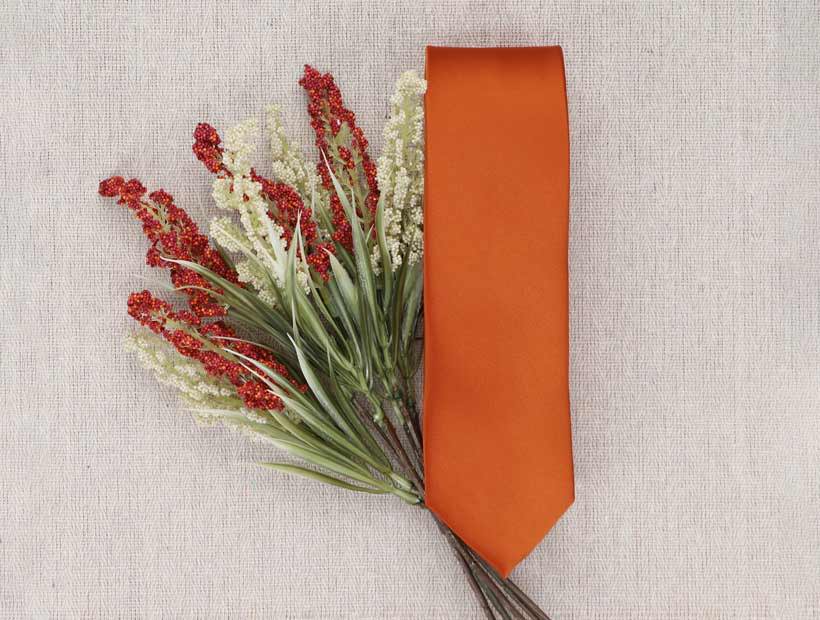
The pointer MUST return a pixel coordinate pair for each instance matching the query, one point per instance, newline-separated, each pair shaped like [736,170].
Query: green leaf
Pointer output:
[387,266]
[321,455]
[321,395]
[320,210]
[361,256]
[290,275]
[303,313]
[274,240]
[238,297]
[414,286]
[329,461]
[339,306]
[344,397]
[317,300]
[315,475]
[305,409]
[346,286]
[313,441]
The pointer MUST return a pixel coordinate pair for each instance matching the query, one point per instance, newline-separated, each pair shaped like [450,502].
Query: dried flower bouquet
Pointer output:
[301,320]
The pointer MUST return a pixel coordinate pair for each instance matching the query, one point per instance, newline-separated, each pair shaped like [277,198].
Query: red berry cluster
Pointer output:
[173,234]
[201,342]
[290,211]
[328,114]
[206,147]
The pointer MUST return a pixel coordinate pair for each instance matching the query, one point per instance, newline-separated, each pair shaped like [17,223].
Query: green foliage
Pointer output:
[348,339]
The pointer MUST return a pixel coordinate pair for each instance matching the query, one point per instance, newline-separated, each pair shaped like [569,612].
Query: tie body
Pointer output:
[497,440]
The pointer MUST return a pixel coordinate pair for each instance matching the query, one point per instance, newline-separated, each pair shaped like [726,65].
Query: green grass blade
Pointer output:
[315,475]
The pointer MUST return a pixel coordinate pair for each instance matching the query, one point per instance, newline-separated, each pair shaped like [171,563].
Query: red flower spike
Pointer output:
[111,187]
[203,343]
[207,147]
[155,313]
[162,197]
[256,395]
[173,234]
[328,114]
[319,259]
[289,212]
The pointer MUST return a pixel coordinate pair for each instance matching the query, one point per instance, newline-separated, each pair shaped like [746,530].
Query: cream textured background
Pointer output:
[695,259]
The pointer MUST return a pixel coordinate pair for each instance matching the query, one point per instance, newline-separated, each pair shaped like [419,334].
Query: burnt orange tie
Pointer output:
[497,441]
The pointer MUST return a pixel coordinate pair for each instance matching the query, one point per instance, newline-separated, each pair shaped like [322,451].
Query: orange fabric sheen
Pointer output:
[497,441]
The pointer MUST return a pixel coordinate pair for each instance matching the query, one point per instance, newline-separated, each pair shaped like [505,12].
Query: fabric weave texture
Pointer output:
[694,315]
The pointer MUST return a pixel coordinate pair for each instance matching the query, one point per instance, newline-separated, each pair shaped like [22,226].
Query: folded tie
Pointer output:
[497,441]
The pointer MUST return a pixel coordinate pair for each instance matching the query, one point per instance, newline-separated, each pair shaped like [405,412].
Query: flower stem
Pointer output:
[471,576]
[497,596]
[520,597]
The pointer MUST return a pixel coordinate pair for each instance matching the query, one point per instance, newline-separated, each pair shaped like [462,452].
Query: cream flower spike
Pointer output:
[187,376]
[401,171]
[288,163]
[264,246]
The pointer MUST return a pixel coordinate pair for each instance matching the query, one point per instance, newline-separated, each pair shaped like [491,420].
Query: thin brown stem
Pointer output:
[491,590]
[367,419]
[394,434]
[507,606]
[503,592]
[508,584]
[499,586]
[409,404]
[407,418]
[387,432]
[471,577]
[526,600]
[391,430]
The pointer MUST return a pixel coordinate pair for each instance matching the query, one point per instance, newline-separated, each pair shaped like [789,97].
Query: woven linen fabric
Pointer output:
[695,315]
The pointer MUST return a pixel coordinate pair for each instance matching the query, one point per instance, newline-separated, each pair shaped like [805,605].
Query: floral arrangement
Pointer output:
[303,306]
